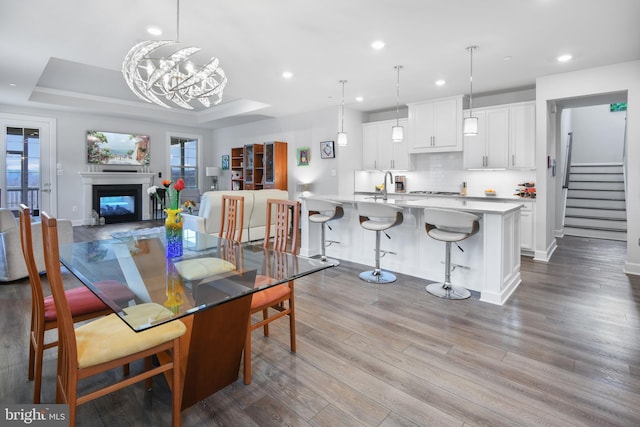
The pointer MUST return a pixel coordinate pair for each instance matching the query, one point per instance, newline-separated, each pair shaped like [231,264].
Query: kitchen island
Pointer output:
[489,265]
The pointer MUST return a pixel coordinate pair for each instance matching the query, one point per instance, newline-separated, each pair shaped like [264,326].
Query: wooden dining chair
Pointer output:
[232,217]
[83,303]
[107,342]
[277,301]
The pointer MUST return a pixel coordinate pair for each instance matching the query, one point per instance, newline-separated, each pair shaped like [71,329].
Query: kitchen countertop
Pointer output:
[449,196]
[421,202]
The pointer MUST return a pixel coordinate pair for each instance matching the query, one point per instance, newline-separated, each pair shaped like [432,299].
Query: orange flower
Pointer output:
[166,183]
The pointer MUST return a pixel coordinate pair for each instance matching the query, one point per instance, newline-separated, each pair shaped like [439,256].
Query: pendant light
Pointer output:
[397,132]
[470,124]
[342,136]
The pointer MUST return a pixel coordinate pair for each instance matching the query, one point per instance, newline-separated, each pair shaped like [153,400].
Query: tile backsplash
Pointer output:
[444,172]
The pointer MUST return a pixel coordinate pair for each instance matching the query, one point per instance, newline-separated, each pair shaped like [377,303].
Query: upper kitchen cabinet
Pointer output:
[505,140]
[489,149]
[379,151]
[436,126]
[522,144]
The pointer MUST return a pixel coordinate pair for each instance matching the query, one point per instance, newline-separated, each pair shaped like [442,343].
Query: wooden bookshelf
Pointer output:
[237,168]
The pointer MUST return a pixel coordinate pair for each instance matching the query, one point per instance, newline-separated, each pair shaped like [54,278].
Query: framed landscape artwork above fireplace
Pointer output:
[113,148]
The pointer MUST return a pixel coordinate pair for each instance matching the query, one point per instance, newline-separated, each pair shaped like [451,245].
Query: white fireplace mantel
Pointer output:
[89,179]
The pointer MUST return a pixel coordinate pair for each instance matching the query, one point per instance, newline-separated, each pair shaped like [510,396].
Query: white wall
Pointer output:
[329,176]
[72,150]
[601,80]
[598,134]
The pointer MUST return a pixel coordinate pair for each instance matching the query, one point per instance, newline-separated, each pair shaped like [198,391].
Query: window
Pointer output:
[23,167]
[184,160]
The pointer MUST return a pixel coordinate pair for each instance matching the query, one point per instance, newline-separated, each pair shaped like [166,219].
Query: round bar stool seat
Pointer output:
[448,225]
[378,217]
[321,212]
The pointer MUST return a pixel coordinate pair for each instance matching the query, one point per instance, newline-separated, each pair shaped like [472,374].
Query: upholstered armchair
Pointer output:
[12,265]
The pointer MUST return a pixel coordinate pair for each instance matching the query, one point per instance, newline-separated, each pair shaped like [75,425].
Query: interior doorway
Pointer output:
[591,136]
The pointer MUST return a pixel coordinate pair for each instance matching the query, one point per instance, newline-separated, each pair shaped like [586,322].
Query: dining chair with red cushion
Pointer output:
[83,303]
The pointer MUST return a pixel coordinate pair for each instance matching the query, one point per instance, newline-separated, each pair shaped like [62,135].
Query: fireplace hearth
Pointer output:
[118,203]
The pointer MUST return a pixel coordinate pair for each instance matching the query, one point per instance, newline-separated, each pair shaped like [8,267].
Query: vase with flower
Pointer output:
[173,223]
[189,205]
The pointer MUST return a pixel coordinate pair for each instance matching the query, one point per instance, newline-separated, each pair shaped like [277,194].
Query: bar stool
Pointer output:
[379,217]
[321,212]
[448,226]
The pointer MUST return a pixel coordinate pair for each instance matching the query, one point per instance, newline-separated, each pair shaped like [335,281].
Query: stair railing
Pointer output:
[567,161]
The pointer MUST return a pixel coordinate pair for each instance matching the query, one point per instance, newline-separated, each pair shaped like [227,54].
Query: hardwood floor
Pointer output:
[563,351]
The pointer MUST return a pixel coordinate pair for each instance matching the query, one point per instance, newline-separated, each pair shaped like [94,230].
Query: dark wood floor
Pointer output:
[563,351]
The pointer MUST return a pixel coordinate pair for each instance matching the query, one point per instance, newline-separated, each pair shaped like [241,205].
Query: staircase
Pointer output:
[596,202]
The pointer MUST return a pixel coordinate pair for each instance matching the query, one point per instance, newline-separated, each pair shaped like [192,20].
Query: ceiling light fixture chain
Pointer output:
[470,125]
[173,77]
[397,131]
[342,136]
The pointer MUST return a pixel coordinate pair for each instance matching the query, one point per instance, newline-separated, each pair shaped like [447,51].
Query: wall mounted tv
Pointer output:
[112,148]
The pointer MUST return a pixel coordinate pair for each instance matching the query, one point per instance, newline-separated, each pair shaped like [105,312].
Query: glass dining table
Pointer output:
[209,288]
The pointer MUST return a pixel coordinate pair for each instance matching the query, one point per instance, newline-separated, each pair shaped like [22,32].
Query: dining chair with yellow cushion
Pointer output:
[232,217]
[277,301]
[83,304]
[107,343]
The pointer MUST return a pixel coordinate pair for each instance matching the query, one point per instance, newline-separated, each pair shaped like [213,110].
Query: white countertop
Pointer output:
[481,196]
[406,201]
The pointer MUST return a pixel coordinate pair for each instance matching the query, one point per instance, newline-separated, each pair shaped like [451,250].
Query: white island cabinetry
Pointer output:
[491,257]
[436,126]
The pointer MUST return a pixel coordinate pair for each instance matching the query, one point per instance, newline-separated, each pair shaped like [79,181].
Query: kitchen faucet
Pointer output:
[384,196]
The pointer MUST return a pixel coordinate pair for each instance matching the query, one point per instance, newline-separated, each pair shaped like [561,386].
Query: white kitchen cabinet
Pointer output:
[527,228]
[489,149]
[522,144]
[505,140]
[436,126]
[379,151]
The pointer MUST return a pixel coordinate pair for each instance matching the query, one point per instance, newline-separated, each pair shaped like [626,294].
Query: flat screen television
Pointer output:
[113,148]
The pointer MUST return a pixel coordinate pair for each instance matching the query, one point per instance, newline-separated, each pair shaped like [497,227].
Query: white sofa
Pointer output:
[255,212]
[12,265]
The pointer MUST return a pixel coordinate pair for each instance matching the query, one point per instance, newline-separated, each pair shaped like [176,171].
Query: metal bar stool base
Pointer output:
[377,276]
[327,260]
[447,291]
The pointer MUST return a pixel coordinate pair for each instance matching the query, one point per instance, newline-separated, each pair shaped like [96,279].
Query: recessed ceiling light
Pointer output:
[12,84]
[287,74]
[507,58]
[564,58]
[440,82]
[359,98]
[377,45]
[154,31]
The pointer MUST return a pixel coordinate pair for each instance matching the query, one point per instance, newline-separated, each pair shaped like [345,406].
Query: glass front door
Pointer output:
[27,172]
[22,178]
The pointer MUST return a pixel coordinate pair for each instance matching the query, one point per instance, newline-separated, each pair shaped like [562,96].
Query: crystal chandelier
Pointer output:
[155,77]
